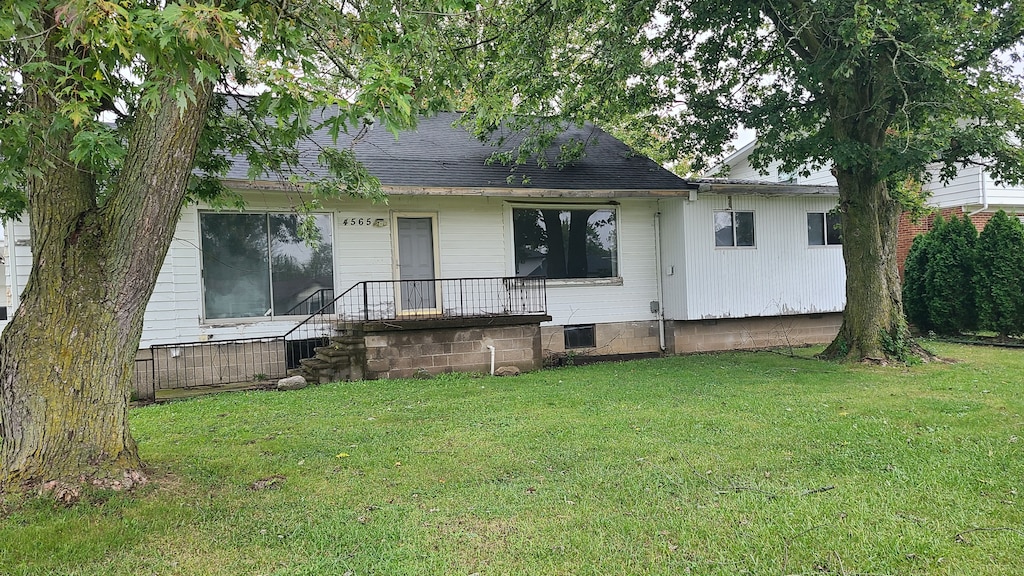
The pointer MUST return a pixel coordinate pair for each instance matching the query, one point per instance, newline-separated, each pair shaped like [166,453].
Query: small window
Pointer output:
[579,336]
[824,229]
[734,228]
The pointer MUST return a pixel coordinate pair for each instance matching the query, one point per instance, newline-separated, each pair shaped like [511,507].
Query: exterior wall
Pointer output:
[18,264]
[1009,197]
[963,189]
[781,275]
[5,296]
[747,333]
[401,354]
[602,300]
[609,339]
[474,240]
[739,168]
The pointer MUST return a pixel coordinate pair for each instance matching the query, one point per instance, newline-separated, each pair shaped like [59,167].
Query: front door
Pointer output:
[416,263]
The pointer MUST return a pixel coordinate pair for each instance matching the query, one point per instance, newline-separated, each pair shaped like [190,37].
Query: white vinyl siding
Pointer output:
[474,240]
[965,189]
[780,277]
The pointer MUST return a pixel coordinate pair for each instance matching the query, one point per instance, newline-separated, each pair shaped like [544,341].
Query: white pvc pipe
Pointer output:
[661,280]
[491,348]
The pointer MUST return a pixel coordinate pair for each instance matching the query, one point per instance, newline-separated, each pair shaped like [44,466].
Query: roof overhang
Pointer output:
[765,189]
[496,192]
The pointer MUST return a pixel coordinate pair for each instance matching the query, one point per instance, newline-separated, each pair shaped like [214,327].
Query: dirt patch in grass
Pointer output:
[476,540]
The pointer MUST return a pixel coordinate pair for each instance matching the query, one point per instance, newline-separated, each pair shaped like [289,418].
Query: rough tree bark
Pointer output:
[66,358]
[873,321]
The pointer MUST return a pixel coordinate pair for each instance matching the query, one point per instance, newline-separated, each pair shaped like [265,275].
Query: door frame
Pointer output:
[396,271]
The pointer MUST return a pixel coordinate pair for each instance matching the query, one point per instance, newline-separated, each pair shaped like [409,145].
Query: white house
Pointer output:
[638,260]
[972,192]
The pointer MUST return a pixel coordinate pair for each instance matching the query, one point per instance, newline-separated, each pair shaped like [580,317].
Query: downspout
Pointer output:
[660,282]
[491,348]
[984,194]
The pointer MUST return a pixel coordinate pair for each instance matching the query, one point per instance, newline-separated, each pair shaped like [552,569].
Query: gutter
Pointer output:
[984,193]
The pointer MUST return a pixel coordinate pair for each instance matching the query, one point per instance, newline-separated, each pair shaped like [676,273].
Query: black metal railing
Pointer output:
[193,364]
[312,303]
[389,300]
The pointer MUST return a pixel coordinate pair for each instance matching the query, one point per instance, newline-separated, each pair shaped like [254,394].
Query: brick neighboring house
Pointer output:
[972,192]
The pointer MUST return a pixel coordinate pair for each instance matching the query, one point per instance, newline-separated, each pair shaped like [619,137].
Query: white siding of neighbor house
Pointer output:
[740,169]
[780,275]
[1009,197]
[965,189]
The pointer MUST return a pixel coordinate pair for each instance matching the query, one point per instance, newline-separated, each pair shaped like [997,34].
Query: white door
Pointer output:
[416,263]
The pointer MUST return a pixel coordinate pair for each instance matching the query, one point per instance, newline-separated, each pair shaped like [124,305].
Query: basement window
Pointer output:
[579,336]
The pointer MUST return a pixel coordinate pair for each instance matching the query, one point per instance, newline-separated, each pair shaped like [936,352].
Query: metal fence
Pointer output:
[194,364]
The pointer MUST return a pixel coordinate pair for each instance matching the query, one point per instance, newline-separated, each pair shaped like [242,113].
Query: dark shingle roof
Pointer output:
[440,155]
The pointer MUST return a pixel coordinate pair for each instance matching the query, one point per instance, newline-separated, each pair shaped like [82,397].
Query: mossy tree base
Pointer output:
[874,328]
[67,356]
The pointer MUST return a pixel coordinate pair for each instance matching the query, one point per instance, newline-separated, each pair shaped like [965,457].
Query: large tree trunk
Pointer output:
[66,358]
[873,326]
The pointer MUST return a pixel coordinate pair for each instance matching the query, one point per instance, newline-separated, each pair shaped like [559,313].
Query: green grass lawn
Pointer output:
[743,463]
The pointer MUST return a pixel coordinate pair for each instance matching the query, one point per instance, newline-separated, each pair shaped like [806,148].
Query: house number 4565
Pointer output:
[357,222]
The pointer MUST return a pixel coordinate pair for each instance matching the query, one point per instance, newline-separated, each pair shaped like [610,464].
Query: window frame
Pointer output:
[825,216]
[266,213]
[732,216]
[586,332]
[614,280]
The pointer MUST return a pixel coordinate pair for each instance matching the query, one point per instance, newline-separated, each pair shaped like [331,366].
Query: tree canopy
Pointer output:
[111,122]
[886,92]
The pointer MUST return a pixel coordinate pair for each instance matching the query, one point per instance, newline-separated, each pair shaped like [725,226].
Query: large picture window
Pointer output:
[561,242]
[734,228]
[824,228]
[258,265]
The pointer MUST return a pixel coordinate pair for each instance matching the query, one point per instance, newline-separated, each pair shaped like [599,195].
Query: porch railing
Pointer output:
[312,303]
[392,300]
[187,365]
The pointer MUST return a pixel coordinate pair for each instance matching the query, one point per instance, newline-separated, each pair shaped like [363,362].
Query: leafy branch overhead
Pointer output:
[104,63]
[111,123]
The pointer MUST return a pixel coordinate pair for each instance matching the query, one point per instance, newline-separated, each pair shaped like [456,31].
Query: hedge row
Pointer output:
[956,280]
